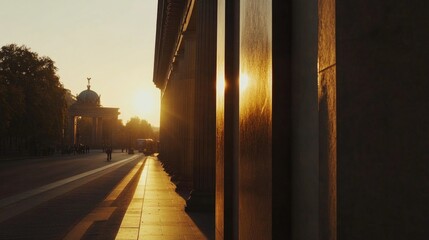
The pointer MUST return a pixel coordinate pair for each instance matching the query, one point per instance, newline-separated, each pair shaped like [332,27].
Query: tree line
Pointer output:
[32,102]
[33,105]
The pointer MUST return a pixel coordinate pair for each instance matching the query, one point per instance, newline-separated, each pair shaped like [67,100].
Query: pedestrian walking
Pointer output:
[109,153]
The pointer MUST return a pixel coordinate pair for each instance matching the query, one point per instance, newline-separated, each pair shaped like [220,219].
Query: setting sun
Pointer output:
[147,104]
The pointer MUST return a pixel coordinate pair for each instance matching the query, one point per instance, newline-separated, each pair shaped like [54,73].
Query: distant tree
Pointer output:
[11,104]
[138,128]
[120,135]
[32,99]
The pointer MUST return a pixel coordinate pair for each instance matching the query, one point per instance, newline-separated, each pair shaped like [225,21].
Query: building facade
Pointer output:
[297,119]
[103,120]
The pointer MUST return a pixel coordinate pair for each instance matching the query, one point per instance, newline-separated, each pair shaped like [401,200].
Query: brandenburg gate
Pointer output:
[103,119]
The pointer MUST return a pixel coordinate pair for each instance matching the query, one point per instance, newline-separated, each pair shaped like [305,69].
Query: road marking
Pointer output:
[121,186]
[105,210]
[99,214]
[21,196]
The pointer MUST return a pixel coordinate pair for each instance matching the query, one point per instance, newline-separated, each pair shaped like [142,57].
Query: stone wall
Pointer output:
[383,119]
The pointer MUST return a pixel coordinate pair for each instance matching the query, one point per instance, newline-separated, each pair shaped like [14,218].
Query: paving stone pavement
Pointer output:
[157,210]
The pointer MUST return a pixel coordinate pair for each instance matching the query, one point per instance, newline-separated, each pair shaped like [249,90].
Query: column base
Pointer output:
[199,201]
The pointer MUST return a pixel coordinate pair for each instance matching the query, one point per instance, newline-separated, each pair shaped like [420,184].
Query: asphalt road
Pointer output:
[51,197]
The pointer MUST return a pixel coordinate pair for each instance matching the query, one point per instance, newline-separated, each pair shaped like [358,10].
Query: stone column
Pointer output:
[166,133]
[305,121]
[99,141]
[202,196]
[227,114]
[94,135]
[173,119]
[163,130]
[189,106]
[255,121]
[282,116]
[185,91]
[179,115]
[327,120]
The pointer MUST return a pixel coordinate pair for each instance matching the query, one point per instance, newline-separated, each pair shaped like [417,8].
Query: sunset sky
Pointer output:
[111,41]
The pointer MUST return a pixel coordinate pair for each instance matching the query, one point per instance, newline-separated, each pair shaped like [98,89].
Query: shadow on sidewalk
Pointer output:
[205,222]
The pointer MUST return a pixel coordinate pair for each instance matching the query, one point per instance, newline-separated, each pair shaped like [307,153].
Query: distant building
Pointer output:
[104,119]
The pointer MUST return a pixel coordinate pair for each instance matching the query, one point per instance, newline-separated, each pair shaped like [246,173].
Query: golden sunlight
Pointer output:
[244,82]
[220,85]
[147,103]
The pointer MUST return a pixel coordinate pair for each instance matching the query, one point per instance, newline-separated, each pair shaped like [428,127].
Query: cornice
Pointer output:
[172,18]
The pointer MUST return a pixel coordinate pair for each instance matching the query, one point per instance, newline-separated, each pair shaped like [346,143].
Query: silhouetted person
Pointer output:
[109,153]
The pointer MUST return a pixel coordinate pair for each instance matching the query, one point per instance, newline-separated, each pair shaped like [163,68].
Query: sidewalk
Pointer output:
[157,211]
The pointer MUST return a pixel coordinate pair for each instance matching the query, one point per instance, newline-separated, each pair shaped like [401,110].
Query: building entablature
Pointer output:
[173,19]
[88,111]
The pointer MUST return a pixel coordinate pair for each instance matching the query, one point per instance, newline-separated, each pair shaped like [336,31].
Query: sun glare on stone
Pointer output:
[220,85]
[244,82]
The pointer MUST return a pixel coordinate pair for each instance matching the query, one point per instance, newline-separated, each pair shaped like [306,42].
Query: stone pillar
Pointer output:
[327,120]
[189,107]
[282,120]
[190,45]
[167,149]
[202,196]
[94,135]
[179,115]
[163,146]
[173,111]
[226,117]
[161,151]
[305,121]
[99,132]
[255,121]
